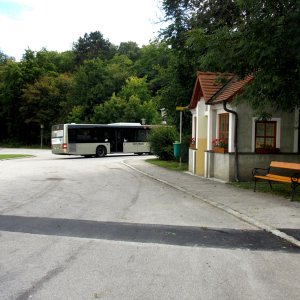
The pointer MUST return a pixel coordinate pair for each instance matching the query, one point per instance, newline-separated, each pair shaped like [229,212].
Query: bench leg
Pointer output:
[270,184]
[293,186]
[254,185]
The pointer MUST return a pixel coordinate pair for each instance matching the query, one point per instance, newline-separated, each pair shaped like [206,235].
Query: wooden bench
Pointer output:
[270,175]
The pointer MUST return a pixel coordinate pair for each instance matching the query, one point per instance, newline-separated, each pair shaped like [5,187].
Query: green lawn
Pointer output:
[172,165]
[12,156]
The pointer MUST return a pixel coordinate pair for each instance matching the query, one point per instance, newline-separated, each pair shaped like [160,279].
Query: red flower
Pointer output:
[223,143]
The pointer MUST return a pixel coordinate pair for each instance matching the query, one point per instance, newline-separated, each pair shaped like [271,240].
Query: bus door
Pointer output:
[143,145]
[119,140]
[130,144]
[116,140]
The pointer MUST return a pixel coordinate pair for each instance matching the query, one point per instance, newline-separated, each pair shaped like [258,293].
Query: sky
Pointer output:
[57,24]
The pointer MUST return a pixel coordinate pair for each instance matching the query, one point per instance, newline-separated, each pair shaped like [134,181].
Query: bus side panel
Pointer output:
[130,147]
[144,147]
[89,148]
[136,147]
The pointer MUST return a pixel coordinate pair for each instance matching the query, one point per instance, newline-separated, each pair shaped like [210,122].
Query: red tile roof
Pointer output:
[229,90]
[216,87]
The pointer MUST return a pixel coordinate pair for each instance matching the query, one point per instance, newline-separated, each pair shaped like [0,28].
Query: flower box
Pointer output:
[220,150]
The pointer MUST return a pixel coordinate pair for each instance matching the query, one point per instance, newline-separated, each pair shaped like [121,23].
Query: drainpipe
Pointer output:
[236,162]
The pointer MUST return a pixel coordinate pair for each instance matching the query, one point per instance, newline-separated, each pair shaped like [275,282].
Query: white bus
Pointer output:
[99,139]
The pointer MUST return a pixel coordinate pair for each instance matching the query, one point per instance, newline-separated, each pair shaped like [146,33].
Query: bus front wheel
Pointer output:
[101,151]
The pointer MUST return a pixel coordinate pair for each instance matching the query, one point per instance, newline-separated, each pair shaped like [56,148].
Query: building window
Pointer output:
[223,126]
[265,135]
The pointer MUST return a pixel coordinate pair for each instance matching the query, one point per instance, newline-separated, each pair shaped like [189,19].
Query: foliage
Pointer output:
[243,37]
[109,112]
[4,58]
[92,85]
[11,84]
[152,60]
[135,86]
[76,115]
[118,109]
[162,139]
[129,49]
[93,45]
[119,68]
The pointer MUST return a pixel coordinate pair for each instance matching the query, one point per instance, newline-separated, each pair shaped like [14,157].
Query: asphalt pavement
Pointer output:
[272,213]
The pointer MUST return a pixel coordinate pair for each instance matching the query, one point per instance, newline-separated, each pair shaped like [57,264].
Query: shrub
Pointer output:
[162,139]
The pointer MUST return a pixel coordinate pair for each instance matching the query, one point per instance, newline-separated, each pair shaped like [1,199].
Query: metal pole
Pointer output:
[180,134]
[42,127]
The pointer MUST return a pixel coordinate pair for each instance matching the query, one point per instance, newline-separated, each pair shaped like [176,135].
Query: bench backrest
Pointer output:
[285,165]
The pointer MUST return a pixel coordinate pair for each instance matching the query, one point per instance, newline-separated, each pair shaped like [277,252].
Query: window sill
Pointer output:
[267,151]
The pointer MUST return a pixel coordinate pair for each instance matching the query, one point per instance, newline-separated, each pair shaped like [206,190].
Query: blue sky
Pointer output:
[57,24]
[10,9]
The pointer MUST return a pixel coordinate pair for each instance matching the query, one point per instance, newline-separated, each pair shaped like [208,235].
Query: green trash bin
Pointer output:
[177,149]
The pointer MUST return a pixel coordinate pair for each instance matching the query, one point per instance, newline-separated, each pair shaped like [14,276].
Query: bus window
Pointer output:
[141,136]
[129,135]
[72,135]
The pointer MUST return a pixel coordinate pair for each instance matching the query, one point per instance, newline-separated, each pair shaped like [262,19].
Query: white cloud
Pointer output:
[57,24]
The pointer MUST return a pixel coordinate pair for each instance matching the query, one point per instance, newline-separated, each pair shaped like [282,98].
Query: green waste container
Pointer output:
[177,149]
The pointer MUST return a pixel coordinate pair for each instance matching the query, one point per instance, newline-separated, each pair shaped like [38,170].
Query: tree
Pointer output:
[118,109]
[262,39]
[111,111]
[26,87]
[153,58]
[55,61]
[42,104]
[76,115]
[92,85]
[11,84]
[266,44]
[4,58]
[93,45]
[135,86]
[209,15]
[130,49]
[136,110]
[119,68]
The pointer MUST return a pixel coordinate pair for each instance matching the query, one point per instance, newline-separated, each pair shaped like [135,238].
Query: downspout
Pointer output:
[236,161]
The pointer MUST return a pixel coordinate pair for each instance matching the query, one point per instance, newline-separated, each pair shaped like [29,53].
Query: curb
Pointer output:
[250,220]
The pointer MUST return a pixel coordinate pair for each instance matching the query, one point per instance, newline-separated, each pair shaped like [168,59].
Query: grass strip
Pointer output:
[13,156]
[279,188]
[170,164]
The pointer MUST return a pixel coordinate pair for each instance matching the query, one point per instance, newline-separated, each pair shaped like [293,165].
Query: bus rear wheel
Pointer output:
[101,151]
